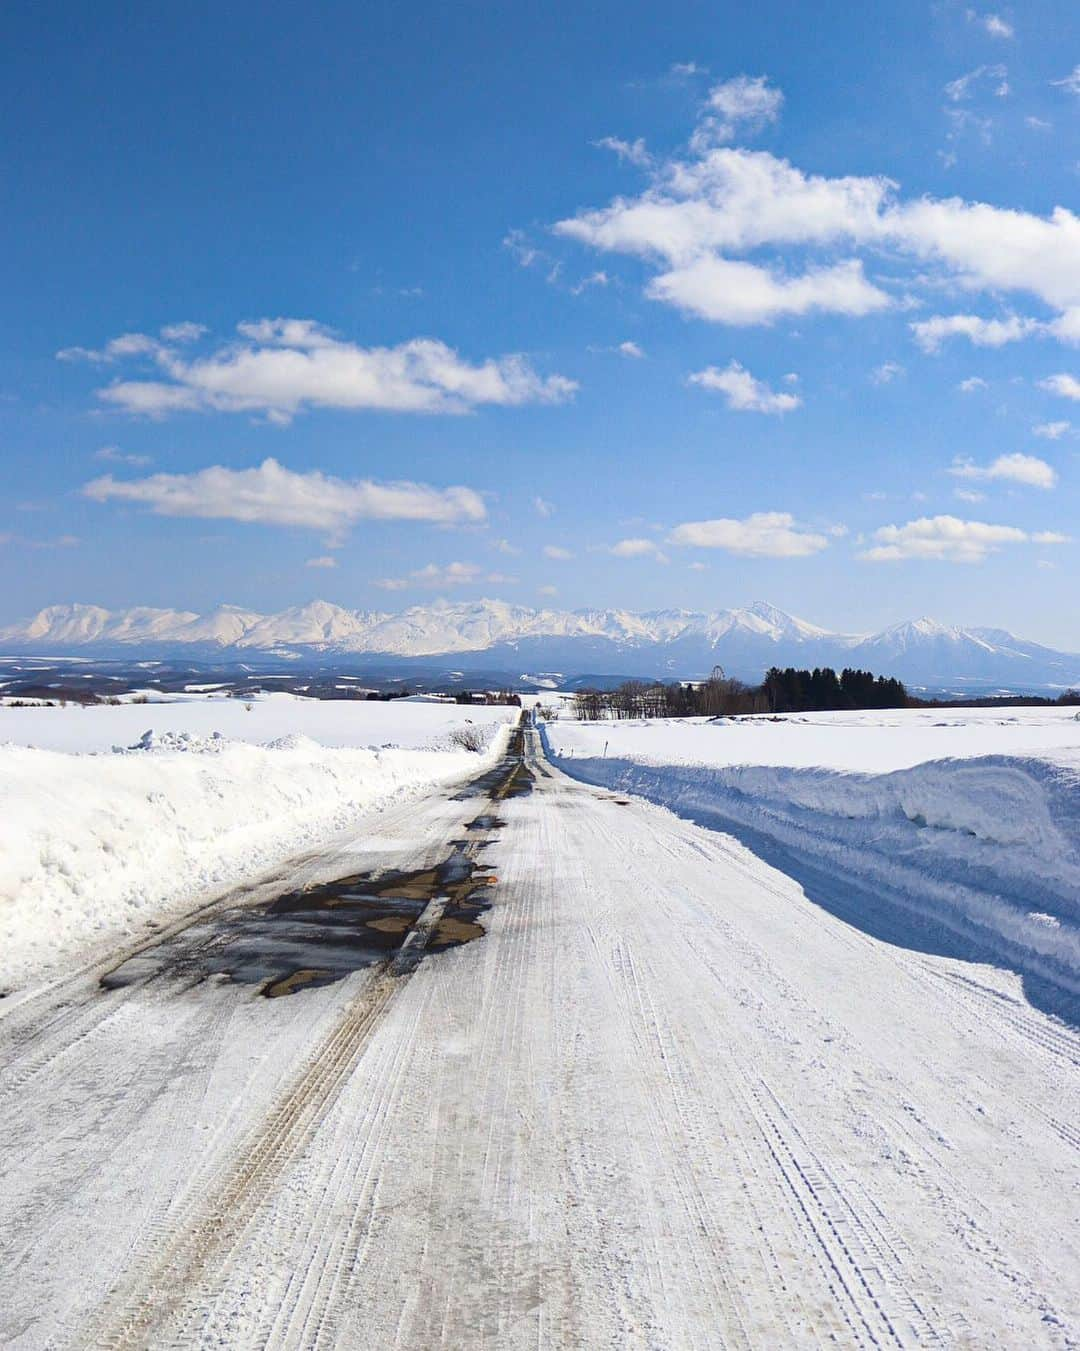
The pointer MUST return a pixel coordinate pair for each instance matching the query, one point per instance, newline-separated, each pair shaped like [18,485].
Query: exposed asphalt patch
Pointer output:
[318,935]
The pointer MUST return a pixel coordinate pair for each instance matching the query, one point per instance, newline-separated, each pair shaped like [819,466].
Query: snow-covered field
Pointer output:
[970,817]
[96,843]
[357,723]
[875,742]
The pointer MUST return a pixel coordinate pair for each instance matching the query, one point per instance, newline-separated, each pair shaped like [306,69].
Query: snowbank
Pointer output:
[988,845]
[264,717]
[93,846]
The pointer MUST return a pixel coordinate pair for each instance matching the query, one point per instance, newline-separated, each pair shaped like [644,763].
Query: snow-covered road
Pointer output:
[669,1100]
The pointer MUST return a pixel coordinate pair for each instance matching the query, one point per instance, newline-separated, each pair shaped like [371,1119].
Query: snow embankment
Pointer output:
[92,847]
[988,845]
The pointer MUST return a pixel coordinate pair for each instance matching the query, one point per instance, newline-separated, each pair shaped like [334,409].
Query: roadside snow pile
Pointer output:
[264,717]
[989,844]
[94,846]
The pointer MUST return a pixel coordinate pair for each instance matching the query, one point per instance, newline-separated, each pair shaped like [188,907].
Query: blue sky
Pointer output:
[725,302]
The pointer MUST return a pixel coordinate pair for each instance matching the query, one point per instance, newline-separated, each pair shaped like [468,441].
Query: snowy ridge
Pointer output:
[688,643]
[418,631]
[988,845]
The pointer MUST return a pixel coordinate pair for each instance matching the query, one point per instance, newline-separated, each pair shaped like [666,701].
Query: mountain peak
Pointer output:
[671,642]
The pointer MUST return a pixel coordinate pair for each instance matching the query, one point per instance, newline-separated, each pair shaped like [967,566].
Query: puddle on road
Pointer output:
[314,937]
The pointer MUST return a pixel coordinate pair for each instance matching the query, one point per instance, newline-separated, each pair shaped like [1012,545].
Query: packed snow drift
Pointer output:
[971,818]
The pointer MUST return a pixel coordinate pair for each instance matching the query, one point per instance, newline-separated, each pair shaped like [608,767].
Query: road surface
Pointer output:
[664,1100]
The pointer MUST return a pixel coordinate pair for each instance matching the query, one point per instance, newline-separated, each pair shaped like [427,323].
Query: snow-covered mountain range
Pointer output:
[495,635]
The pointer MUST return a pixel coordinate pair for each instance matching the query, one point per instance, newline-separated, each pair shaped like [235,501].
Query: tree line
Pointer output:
[782,691]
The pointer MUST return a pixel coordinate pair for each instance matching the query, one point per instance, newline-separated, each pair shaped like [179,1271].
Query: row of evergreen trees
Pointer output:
[782,691]
[792,691]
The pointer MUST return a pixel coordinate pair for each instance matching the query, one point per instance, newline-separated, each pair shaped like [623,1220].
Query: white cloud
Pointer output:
[1038,124]
[969,495]
[1067,386]
[744,294]
[701,209]
[114,456]
[1071,82]
[129,345]
[886,373]
[436,577]
[971,384]
[543,508]
[183,332]
[943,538]
[517,243]
[1052,431]
[1017,468]
[638,548]
[1049,537]
[270,494]
[765,534]
[748,102]
[931,333]
[630,349]
[743,392]
[997,27]
[961,88]
[557,552]
[280,367]
[503,546]
[126,345]
[547,590]
[593,279]
[323,561]
[633,152]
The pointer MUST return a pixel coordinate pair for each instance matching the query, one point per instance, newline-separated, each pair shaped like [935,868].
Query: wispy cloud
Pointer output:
[557,552]
[1065,386]
[992,24]
[1018,468]
[765,534]
[638,548]
[948,539]
[745,103]
[744,393]
[280,367]
[1052,431]
[438,577]
[931,333]
[270,494]
[111,455]
[956,91]
[633,152]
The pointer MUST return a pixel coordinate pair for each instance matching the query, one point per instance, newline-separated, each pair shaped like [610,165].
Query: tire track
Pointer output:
[218,1214]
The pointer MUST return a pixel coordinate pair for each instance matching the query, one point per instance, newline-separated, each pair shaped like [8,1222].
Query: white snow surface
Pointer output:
[96,846]
[356,723]
[970,817]
[674,1099]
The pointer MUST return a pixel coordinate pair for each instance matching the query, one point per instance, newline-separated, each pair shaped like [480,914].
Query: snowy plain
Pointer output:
[115,818]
